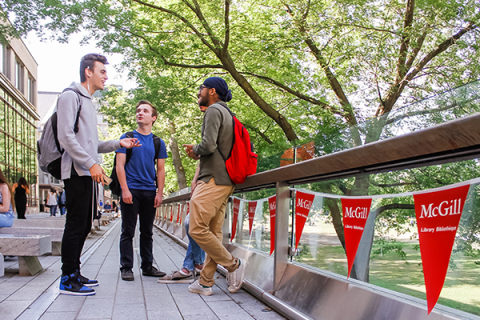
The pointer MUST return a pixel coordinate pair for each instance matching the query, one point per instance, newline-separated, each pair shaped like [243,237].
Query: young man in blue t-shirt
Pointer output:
[140,195]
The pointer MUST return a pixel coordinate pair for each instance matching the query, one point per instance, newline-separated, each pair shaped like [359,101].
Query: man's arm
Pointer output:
[211,124]
[194,181]
[160,182]
[122,178]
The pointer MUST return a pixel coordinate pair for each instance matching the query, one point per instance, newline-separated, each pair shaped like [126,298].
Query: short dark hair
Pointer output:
[88,61]
[154,110]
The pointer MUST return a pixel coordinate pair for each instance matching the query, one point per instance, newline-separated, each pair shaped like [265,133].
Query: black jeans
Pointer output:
[143,202]
[78,222]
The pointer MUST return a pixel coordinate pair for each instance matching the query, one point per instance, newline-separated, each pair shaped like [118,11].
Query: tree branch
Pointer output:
[441,48]
[422,112]
[227,27]
[388,185]
[295,93]
[401,71]
[180,17]
[367,28]
[415,51]
[267,139]
[394,206]
[200,66]
[218,44]
[397,89]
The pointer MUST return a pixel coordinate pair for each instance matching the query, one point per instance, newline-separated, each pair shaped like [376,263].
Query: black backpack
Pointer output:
[49,150]
[115,184]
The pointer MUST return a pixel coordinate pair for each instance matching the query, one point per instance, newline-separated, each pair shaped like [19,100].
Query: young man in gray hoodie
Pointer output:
[80,169]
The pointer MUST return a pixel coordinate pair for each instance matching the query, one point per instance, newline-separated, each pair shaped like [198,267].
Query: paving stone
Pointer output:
[194,305]
[228,310]
[12,309]
[59,316]
[129,311]
[27,293]
[96,308]
[162,315]
[66,303]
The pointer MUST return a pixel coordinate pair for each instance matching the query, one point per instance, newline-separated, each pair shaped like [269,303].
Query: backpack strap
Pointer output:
[75,127]
[157,142]
[129,151]
[233,127]
[55,120]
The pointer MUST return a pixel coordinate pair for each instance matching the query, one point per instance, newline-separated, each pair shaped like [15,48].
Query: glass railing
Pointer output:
[392,257]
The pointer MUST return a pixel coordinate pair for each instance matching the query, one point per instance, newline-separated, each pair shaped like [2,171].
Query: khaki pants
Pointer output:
[207,214]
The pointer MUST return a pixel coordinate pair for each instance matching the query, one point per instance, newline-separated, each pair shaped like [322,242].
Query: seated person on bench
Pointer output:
[6,200]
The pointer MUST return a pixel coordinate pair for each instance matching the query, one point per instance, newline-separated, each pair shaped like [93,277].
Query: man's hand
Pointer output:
[190,153]
[130,143]
[126,196]
[158,200]
[96,172]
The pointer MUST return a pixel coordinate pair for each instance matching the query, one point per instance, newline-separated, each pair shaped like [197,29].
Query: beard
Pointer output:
[203,101]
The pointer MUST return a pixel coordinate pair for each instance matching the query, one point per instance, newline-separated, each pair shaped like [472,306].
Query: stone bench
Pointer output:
[107,217]
[39,223]
[27,249]
[56,235]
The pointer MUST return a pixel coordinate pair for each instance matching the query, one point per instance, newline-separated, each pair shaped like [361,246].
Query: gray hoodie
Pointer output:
[217,134]
[82,148]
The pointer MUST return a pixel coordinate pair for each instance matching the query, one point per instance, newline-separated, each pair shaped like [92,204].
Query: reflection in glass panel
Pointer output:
[2,115]
[2,148]
[388,255]
[259,238]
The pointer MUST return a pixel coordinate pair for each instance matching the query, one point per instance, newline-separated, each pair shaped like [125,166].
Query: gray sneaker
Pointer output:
[127,274]
[235,278]
[196,287]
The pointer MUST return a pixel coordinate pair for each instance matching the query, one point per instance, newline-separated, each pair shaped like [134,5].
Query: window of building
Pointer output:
[1,58]
[17,144]
[30,88]
[19,75]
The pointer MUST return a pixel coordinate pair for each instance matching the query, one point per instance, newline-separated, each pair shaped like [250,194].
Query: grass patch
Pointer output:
[460,291]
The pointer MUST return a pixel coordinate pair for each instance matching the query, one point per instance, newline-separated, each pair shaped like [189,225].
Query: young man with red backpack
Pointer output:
[212,186]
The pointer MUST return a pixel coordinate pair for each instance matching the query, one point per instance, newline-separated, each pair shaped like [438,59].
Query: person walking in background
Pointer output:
[52,202]
[21,191]
[62,200]
[212,187]
[114,206]
[107,206]
[6,201]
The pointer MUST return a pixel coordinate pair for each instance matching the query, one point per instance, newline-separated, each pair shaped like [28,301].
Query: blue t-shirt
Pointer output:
[140,169]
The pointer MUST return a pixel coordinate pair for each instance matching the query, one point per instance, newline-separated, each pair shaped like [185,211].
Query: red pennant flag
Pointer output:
[188,208]
[355,214]
[272,205]
[236,207]
[252,206]
[171,213]
[438,215]
[302,208]
[178,213]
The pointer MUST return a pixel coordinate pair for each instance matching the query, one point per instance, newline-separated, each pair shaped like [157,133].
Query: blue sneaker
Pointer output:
[87,282]
[70,284]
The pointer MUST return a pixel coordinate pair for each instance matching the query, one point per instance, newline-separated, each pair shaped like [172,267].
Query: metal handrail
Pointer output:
[451,141]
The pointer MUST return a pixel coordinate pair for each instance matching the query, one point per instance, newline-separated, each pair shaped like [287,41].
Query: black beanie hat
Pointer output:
[220,86]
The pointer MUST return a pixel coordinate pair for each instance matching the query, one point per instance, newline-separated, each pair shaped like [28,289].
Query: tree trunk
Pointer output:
[256,98]
[177,161]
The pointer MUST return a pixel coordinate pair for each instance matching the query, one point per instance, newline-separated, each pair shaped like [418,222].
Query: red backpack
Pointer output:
[241,161]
